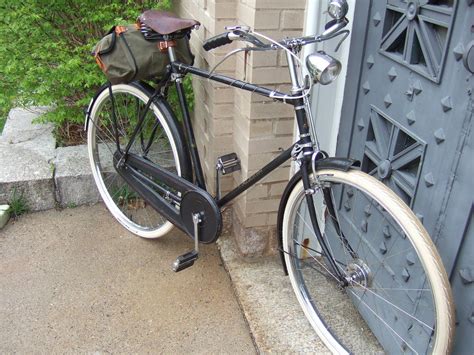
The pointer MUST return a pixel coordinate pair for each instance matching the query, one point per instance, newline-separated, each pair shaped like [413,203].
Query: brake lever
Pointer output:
[244,33]
[238,28]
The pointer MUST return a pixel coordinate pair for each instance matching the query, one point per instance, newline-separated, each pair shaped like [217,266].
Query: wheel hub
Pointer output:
[359,274]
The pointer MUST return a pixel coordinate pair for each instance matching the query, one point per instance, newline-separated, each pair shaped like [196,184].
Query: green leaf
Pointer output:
[45,50]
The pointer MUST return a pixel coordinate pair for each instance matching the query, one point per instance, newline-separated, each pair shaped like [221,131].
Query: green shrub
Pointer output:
[45,48]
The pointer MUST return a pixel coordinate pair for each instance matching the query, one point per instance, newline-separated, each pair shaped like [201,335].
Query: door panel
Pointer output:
[407,115]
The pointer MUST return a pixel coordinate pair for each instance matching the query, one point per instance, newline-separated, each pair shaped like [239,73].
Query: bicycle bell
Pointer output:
[337,9]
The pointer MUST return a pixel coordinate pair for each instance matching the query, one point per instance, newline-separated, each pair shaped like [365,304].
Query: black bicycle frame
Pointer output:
[178,70]
[297,101]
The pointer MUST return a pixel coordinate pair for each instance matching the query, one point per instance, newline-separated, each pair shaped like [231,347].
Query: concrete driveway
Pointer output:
[75,281]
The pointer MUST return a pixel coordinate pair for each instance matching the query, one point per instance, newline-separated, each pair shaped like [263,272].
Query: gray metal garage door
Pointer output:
[407,116]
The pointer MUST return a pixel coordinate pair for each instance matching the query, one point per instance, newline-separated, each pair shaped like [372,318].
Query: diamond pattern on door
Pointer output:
[416,34]
[393,155]
[415,103]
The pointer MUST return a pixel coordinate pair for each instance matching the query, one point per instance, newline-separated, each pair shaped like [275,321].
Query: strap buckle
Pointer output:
[164,45]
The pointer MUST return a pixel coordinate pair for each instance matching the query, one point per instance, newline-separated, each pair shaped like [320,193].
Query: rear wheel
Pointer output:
[396,296]
[158,141]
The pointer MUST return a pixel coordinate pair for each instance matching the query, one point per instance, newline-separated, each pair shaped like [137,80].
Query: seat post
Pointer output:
[172,54]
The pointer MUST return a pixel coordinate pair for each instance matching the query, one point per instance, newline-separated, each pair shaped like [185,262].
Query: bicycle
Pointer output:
[337,225]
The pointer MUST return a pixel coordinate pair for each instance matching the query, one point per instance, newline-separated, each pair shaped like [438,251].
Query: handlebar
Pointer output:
[217,41]
[244,34]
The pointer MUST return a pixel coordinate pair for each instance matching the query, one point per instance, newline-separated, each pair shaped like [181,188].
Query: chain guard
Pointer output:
[201,202]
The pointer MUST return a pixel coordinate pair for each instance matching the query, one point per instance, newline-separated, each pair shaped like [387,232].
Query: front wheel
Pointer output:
[395,295]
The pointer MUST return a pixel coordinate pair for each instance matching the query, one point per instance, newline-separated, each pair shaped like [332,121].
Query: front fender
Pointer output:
[342,164]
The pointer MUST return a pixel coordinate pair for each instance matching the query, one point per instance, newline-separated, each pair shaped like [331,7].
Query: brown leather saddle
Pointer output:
[166,23]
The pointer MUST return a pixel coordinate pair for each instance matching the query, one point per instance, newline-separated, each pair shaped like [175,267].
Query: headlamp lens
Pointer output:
[331,73]
[323,68]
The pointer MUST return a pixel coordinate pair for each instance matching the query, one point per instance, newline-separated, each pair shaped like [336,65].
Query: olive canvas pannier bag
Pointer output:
[124,55]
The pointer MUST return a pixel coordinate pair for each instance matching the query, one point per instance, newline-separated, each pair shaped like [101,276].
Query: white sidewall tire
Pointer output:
[425,248]
[116,212]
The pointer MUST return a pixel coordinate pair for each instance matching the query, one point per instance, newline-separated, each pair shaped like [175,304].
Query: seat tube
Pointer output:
[188,128]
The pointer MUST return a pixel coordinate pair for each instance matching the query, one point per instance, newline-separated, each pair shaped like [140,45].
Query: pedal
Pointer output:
[184,261]
[228,163]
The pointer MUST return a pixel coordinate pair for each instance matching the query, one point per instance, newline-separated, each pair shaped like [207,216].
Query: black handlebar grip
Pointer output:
[217,41]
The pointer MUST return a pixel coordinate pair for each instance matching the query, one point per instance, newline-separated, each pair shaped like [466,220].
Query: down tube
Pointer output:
[267,169]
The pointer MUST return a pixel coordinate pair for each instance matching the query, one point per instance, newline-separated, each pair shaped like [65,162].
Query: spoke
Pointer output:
[392,304]
[103,129]
[147,216]
[347,249]
[393,255]
[118,113]
[162,133]
[104,143]
[116,193]
[306,263]
[328,244]
[382,262]
[360,237]
[315,259]
[100,126]
[114,178]
[401,289]
[383,321]
[118,119]
[307,225]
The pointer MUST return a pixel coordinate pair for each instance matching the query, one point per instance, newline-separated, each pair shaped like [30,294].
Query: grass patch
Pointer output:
[3,118]
[2,123]
[18,204]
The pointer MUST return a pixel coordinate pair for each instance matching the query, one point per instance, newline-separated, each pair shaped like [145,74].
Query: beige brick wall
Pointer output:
[229,120]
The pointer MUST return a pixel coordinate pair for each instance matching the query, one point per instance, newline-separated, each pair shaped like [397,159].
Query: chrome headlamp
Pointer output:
[323,68]
[337,9]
